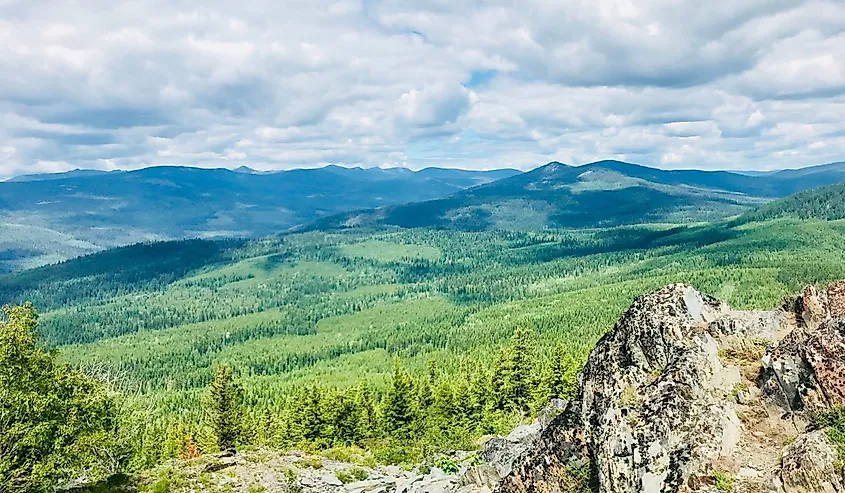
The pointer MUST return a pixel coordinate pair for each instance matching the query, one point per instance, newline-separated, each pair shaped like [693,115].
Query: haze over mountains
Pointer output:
[49,218]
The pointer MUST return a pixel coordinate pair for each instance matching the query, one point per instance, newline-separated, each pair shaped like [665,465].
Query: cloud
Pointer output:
[757,84]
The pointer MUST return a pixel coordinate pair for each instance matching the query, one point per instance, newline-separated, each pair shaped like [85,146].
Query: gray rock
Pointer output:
[758,324]
[501,452]
[380,485]
[806,370]
[473,489]
[224,461]
[813,307]
[657,411]
[393,470]
[550,412]
[331,480]
[482,475]
[440,484]
[650,414]
[807,466]
[403,483]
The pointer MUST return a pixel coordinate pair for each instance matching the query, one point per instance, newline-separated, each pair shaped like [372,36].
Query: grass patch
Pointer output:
[352,475]
[724,481]
[310,462]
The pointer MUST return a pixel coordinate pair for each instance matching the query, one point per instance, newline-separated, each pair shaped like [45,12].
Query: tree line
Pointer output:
[60,425]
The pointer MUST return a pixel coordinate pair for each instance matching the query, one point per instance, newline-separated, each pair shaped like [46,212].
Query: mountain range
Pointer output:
[604,193]
[52,217]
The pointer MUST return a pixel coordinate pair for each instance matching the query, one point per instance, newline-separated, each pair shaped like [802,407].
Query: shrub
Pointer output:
[352,475]
[310,462]
[447,465]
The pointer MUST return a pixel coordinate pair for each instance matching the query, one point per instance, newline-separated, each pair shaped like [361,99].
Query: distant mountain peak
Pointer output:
[599,194]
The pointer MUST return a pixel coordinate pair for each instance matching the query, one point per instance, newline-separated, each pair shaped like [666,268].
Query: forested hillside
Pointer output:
[313,322]
[818,203]
[48,218]
[601,194]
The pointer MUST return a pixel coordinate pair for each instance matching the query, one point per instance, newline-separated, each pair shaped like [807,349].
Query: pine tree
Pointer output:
[308,418]
[560,376]
[365,412]
[514,377]
[500,380]
[444,413]
[344,420]
[424,388]
[225,407]
[397,410]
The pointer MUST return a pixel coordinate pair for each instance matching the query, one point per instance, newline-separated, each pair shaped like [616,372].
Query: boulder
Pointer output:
[805,372]
[808,466]
[813,307]
[331,479]
[502,452]
[755,324]
[482,475]
[836,299]
[440,484]
[650,414]
[372,485]
[552,410]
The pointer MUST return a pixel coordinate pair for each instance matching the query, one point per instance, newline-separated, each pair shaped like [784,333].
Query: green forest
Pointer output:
[354,342]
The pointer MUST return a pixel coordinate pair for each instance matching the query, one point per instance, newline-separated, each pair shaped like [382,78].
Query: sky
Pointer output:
[108,84]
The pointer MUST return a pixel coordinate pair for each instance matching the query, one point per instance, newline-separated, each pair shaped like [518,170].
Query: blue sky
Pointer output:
[757,84]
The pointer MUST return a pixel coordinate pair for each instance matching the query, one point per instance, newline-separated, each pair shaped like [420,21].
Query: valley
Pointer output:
[48,218]
[391,344]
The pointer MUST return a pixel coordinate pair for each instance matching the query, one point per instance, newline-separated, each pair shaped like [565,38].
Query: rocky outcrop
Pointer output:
[805,371]
[502,452]
[687,395]
[808,466]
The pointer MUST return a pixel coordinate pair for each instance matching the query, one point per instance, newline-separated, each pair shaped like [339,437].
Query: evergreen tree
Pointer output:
[54,421]
[424,390]
[560,376]
[365,412]
[514,377]
[225,407]
[344,429]
[308,419]
[397,409]
[444,413]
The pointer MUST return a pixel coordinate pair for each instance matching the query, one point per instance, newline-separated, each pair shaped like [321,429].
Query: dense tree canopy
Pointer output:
[486,326]
[55,422]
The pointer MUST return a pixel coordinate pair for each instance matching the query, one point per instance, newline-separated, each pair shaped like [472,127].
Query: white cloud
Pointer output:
[120,84]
